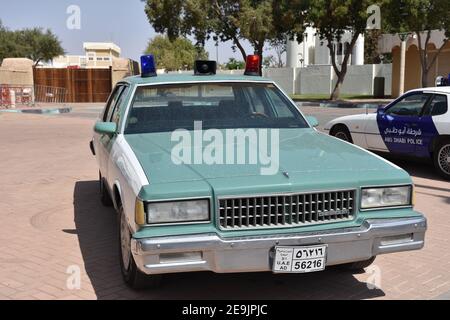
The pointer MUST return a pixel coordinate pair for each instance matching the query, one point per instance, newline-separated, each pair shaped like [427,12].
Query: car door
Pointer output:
[116,118]
[399,123]
[427,126]
[102,142]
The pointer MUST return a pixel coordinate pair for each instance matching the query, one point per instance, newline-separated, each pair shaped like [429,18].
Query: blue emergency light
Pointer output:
[148,66]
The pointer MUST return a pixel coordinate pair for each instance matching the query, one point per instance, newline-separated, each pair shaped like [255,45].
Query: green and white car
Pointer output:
[327,203]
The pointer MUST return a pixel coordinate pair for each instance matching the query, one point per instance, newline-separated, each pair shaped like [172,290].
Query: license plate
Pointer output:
[300,259]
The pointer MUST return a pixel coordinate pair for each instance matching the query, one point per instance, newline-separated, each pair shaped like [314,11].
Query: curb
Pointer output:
[39,111]
[341,105]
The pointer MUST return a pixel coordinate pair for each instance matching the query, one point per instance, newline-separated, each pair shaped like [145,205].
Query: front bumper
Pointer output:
[209,252]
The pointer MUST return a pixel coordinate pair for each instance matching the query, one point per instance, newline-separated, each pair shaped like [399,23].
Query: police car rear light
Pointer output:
[205,68]
[442,81]
[148,66]
[252,65]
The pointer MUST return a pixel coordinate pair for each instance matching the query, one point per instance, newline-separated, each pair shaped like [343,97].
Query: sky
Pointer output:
[121,22]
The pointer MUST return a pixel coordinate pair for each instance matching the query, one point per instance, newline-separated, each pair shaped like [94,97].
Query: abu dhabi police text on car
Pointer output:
[417,124]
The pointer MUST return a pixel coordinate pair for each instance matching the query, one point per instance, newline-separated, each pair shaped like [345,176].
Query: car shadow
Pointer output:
[96,229]
[421,168]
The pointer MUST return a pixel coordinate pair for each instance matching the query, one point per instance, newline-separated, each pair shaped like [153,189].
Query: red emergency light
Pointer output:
[252,65]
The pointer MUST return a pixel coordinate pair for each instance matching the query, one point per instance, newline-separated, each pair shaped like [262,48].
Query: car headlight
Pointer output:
[372,198]
[178,212]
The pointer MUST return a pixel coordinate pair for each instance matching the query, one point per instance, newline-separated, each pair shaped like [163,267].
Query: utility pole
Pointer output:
[404,39]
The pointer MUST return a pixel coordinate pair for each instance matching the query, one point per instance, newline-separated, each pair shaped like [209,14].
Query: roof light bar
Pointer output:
[252,67]
[205,68]
[442,81]
[148,66]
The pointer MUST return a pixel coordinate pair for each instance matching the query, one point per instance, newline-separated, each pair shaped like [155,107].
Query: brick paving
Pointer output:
[53,225]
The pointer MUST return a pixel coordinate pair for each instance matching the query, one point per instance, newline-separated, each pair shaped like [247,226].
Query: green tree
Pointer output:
[221,20]
[35,44]
[179,54]
[9,45]
[40,44]
[419,17]
[331,18]
[371,50]
[234,64]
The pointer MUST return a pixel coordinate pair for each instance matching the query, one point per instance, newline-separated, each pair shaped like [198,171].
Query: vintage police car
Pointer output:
[416,124]
[327,203]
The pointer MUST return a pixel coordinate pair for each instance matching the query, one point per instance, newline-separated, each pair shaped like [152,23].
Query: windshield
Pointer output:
[167,108]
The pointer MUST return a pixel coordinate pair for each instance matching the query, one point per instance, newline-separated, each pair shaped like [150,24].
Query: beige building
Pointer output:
[413,69]
[97,55]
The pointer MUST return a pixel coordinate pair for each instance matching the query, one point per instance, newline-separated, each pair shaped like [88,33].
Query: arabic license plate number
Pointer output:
[300,259]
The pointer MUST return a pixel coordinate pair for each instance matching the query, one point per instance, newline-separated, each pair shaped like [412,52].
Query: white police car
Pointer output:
[417,124]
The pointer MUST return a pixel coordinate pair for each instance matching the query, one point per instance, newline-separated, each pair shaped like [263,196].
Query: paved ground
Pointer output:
[52,226]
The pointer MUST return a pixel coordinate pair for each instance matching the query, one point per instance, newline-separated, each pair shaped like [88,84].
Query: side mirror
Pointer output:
[107,128]
[381,109]
[312,121]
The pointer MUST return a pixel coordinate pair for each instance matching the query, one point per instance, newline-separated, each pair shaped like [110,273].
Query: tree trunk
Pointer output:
[337,88]
[343,71]
[425,77]
[240,47]
[425,63]
[259,50]
[37,63]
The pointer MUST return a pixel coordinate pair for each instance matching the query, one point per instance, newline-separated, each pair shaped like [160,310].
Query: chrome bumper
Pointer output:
[209,252]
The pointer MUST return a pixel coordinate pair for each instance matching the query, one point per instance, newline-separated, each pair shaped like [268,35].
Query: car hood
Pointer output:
[307,159]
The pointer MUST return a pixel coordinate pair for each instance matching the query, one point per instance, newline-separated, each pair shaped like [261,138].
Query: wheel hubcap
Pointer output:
[342,136]
[125,241]
[444,159]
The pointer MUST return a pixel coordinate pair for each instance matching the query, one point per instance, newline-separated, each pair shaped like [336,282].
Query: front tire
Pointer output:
[442,159]
[134,278]
[342,132]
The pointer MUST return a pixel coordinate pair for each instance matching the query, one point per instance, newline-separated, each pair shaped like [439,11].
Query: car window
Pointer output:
[165,108]
[411,105]
[115,117]
[279,104]
[438,105]
[256,99]
[112,103]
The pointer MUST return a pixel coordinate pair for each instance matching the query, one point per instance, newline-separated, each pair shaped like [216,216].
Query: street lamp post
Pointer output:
[217,52]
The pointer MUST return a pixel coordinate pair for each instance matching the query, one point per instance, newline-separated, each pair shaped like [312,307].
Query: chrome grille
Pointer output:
[286,210]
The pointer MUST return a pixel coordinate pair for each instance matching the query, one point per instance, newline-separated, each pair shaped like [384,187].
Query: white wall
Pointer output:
[284,77]
[314,80]
[358,81]
[322,79]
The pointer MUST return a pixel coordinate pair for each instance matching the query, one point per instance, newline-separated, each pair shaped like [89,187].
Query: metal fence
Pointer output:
[47,94]
[16,96]
[27,96]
